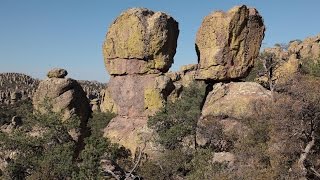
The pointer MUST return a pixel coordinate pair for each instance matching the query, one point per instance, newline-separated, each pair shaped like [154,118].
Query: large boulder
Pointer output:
[225,110]
[62,95]
[237,100]
[227,43]
[140,41]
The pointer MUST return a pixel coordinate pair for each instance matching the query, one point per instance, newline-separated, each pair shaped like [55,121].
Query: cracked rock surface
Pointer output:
[228,42]
[140,41]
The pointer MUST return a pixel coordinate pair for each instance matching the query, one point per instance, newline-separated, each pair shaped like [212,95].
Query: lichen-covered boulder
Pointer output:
[140,41]
[225,111]
[237,100]
[57,73]
[228,42]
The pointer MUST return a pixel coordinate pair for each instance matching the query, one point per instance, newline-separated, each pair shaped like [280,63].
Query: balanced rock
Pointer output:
[227,43]
[57,73]
[140,41]
[139,48]
[63,95]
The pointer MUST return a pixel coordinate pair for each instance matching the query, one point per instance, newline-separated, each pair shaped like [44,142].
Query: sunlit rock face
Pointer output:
[228,42]
[140,41]
[139,48]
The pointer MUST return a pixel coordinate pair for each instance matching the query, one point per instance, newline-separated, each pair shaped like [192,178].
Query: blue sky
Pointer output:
[37,35]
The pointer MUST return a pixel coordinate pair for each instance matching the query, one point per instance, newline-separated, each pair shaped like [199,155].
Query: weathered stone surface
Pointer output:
[224,157]
[66,96]
[135,95]
[131,132]
[140,41]
[227,43]
[225,108]
[309,48]
[57,73]
[236,100]
[133,98]
[286,70]
[279,53]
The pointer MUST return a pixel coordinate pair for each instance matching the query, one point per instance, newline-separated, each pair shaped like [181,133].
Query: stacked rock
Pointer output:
[139,48]
[63,95]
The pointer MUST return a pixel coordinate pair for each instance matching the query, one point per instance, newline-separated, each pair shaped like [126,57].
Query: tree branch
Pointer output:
[137,162]
[305,154]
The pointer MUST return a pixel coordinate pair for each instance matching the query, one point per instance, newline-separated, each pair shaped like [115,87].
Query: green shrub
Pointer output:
[255,71]
[98,147]
[311,67]
[169,165]
[50,154]
[178,119]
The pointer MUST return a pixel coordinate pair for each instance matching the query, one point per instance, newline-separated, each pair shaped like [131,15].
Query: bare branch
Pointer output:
[316,173]
[114,175]
[305,154]
[137,162]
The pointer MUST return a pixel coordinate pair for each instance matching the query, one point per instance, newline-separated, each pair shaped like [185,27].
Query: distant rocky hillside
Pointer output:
[17,86]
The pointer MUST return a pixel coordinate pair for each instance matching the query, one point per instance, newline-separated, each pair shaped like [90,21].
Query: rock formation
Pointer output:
[63,95]
[138,49]
[57,73]
[236,100]
[140,41]
[228,104]
[228,43]
[289,59]
[309,48]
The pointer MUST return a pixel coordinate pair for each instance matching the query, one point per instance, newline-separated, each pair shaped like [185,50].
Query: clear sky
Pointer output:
[37,35]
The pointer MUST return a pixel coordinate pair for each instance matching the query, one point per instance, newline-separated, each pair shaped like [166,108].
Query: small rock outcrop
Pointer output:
[309,48]
[63,95]
[140,41]
[138,49]
[57,73]
[227,43]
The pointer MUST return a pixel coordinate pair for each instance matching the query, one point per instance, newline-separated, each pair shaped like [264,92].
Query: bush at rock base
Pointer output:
[178,119]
